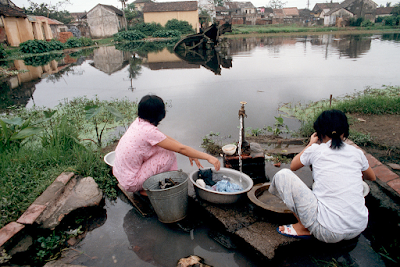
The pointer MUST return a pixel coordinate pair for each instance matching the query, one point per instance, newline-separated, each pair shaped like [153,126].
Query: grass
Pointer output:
[285,28]
[27,170]
[380,101]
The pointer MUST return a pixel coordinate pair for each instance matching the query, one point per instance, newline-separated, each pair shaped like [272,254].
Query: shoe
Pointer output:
[290,232]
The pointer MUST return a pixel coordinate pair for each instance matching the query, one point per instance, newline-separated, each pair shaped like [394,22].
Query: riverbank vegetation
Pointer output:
[285,28]
[37,145]
[379,101]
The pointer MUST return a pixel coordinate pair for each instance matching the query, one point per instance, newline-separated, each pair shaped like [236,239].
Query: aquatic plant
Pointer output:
[93,113]
[279,127]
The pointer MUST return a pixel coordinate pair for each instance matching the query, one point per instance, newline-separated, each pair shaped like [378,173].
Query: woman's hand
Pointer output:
[313,139]
[214,161]
[196,161]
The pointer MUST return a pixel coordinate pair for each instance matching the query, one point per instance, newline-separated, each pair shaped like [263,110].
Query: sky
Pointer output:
[86,5]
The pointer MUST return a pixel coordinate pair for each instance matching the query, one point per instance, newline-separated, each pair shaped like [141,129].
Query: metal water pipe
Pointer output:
[242,113]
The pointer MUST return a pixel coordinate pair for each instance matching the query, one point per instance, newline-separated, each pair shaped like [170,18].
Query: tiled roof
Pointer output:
[245,5]
[9,11]
[142,1]
[384,10]
[327,5]
[170,6]
[113,8]
[291,11]
[49,20]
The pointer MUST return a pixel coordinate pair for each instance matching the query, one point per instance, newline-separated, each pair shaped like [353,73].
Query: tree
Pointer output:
[396,9]
[132,16]
[50,11]
[123,2]
[276,4]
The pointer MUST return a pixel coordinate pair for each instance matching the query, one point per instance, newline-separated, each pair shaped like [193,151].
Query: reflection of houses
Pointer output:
[110,60]
[104,21]
[166,60]
[163,12]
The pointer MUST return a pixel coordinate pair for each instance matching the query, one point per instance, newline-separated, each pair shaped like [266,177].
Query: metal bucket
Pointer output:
[170,204]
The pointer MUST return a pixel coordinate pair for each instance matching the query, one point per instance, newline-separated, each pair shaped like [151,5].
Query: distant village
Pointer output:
[103,21]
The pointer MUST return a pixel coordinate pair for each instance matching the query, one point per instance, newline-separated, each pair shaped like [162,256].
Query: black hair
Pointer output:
[152,109]
[332,123]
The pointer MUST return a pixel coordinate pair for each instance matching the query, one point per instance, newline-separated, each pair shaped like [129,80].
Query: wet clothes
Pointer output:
[218,182]
[137,156]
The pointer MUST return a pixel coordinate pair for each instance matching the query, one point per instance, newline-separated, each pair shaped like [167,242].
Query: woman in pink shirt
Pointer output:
[144,151]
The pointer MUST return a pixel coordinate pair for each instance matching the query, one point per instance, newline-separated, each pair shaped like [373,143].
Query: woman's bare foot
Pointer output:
[143,193]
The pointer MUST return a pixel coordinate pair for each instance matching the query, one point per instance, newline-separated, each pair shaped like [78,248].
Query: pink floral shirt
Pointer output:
[135,147]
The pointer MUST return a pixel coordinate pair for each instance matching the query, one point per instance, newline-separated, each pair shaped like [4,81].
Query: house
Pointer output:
[139,4]
[291,15]
[337,17]
[358,8]
[361,8]
[15,27]
[79,18]
[237,13]
[384,11]
[321,8]
[55,26]
[165,11]
[104,21]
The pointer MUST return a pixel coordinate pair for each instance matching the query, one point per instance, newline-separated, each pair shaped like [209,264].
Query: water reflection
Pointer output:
[164,59]
[210,59]
[301,53]
[110,60]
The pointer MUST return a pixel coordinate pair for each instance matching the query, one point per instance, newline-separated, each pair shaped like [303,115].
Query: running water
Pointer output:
[240,143]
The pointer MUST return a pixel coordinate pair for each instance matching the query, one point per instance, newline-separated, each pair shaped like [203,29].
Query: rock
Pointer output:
[192,260]
[78,193]
[22,245]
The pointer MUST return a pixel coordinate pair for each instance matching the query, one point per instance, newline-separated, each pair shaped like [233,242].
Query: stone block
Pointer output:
[8,231]
[263,237]
[79,193]
[384,173]
[64,177]
[395,185]
[372,161]
[31,214]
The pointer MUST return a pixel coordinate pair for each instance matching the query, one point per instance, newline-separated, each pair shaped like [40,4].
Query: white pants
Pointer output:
[301,200]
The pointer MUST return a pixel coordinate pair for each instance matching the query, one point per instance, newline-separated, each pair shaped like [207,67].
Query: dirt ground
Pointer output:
[385,133]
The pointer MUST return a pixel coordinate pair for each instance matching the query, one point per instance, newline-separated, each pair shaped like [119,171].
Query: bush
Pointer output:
[3,53]
[356,22]
[179,25]
[56,45]
[167,33]
[73,42]
[86,41]
[390,20]
[128,36]
[147,28]
[34,46]
[366,23]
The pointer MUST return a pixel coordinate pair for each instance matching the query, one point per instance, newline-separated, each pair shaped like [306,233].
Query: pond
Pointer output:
[203,93]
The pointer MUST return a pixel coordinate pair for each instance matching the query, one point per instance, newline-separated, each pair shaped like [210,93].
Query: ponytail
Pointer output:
[332,123]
